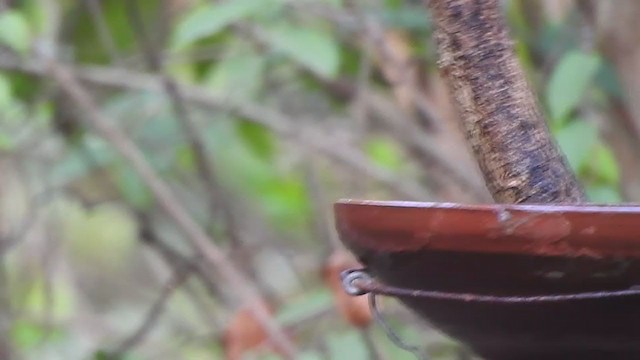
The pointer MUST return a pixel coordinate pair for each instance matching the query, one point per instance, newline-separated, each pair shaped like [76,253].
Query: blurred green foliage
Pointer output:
[588,156]
[266,51]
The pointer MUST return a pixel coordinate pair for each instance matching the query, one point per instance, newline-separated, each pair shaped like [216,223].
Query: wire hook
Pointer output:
[357,282]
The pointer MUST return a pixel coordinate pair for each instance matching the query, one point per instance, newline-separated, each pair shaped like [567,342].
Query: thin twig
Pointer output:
[363,103]
[36,205]
[50,257]
[104,34]
[198,239]
[6,320]
[205,165]
[35,209]
[361,108]
[416,138]
[323,225]
[173,258]
[273,120]
[152,317]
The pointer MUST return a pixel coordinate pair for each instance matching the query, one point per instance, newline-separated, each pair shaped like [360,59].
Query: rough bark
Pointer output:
[509,137]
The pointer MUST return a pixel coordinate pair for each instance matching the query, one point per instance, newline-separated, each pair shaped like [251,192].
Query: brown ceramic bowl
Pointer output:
[509,250]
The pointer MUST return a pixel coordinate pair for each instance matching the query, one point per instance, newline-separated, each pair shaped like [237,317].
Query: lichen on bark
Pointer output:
[504,126]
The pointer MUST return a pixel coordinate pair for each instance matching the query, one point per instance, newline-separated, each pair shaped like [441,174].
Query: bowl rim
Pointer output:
[568,230]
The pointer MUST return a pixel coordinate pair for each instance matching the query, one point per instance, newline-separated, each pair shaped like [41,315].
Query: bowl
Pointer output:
[509,250]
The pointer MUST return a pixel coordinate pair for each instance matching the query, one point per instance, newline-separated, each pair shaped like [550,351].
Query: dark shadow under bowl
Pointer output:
[509,250]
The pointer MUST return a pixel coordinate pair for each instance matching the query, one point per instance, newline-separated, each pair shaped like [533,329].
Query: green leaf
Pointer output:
[603,194]
[185,158]
[63,302]
[6,141]
[133,190]
[409,18]
[85,34]
[393,4]
[281,194]
[102,236]
[37,15]
[285,199]
[6,93]
[237,76]
[608,80]
[577,141]
[76,164]
[310,303]
[569,80]
[604,165]
[15,31]
[349,345]
[27,335]
[312,48]
[209,19]
[384,153]
[257,138]
[106,355]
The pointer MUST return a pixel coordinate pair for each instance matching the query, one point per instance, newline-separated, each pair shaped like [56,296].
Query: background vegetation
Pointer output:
[160,161]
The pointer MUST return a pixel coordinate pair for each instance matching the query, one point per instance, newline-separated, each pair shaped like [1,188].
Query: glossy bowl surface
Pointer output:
[510,250]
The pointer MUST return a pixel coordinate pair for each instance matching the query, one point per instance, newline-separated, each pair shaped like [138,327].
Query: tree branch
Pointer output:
[179,276]
[279,123]
[199,241]
[205,164]
[519,159]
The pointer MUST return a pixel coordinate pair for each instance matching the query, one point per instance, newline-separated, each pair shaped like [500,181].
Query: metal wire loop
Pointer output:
[359,282]
[395,339]
[355,281]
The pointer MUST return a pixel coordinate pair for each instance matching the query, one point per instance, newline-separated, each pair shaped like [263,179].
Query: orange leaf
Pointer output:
[244,333]
[355,310]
